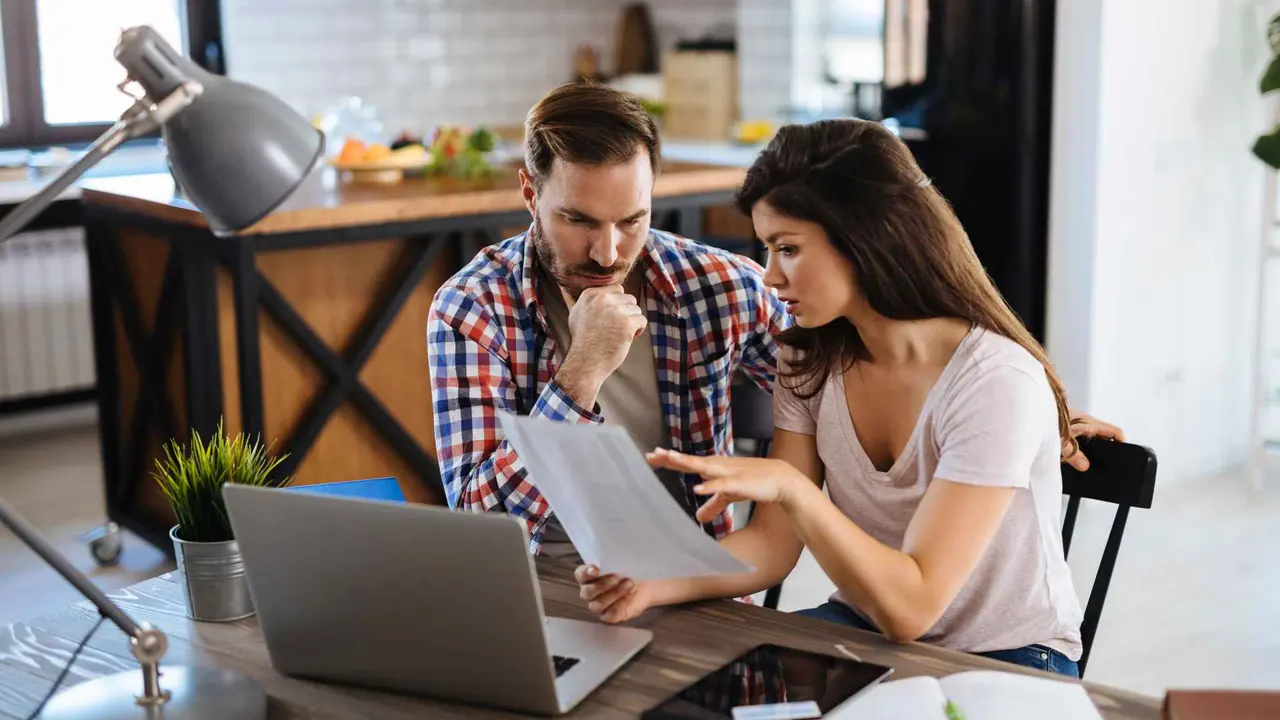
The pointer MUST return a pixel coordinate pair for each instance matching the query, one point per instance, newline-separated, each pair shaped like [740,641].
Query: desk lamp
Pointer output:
[237,152]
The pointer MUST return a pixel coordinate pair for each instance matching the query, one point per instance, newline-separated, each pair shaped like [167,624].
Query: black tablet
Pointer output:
[771,682]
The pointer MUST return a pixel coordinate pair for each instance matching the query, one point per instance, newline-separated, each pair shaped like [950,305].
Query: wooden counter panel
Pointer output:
[726,221]
[290,382]
[335,290]
[145,258]
[148,497]
[228,360]
[333,287]
[350,449]
[398,372]
[127,378]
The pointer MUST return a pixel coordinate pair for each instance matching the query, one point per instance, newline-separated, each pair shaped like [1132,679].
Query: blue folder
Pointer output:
[383,488]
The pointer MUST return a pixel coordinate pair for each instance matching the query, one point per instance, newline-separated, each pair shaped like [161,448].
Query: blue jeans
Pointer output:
[1032,656]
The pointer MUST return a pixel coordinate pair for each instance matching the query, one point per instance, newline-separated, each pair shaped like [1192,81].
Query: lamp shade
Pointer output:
[237,151]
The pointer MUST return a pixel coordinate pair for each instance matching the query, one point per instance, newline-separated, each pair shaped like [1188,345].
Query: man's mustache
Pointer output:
[594,270]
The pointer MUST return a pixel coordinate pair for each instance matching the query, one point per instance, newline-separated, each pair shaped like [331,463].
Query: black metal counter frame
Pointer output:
[188,304]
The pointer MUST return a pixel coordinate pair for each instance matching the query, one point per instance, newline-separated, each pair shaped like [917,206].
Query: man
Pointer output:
[591,316]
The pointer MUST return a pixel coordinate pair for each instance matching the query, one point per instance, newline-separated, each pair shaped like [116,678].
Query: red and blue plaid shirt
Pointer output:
[710,314]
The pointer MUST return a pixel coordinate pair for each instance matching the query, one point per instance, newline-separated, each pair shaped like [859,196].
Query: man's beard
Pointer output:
[570,278]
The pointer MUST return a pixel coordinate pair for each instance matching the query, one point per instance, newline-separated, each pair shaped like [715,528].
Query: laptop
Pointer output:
[414,599]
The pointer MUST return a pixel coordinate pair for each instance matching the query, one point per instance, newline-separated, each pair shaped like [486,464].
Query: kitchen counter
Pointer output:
[306,329]
[323,202]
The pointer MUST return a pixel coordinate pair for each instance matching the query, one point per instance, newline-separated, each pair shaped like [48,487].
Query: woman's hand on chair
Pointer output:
[1083,425]
[731,479]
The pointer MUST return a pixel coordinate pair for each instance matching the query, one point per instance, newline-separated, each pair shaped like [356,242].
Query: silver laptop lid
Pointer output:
[403,597]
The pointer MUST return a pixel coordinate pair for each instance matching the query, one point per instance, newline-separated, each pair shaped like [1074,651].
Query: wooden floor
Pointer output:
[1193,603]
[54,479]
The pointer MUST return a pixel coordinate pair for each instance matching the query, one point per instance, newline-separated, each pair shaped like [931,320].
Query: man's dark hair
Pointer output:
[586,123]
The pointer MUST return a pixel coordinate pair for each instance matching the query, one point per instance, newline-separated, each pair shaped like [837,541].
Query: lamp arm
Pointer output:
[137,121]
[33,206]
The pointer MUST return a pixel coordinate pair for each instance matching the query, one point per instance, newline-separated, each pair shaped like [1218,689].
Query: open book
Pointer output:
[976,695]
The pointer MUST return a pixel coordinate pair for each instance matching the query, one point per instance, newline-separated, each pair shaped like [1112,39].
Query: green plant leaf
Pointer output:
[191,478]
[1267,148]
[482,140]
[1271,78]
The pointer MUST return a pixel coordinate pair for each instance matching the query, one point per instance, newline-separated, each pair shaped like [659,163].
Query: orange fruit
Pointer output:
[353,151]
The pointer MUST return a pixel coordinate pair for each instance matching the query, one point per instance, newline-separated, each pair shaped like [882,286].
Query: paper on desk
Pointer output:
[618,514]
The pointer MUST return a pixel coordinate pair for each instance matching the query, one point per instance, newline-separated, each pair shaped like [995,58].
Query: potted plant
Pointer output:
[191,477]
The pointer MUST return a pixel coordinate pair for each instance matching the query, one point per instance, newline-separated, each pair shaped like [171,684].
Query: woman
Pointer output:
[909,387]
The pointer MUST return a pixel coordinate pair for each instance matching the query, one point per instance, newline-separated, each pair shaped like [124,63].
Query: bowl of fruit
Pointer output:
[379,164]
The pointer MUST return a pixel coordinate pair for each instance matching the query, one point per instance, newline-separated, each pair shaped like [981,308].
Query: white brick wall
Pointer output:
[426,62]
[765,58]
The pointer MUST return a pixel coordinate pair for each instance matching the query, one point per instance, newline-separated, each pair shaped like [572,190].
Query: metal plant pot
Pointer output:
[213,580]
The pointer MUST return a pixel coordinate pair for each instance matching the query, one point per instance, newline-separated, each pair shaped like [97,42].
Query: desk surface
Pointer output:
[688,642]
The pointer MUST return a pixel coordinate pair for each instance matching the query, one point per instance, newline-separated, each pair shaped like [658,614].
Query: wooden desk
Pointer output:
[688,642]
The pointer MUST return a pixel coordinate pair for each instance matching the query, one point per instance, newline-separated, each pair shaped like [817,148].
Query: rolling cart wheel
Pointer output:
[106,544]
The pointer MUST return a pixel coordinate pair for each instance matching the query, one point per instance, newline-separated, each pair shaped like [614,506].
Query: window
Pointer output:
[839,64]
[59,79]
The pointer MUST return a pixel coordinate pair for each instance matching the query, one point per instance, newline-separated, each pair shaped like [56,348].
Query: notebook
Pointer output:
[383,488]
[976,695]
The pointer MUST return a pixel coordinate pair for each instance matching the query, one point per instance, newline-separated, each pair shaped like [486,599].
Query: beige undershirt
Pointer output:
[629,397]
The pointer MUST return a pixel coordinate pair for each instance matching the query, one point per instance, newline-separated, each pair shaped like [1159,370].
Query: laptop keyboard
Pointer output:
[562,664]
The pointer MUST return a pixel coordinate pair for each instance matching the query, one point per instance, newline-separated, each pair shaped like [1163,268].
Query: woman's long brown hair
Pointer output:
[911,257]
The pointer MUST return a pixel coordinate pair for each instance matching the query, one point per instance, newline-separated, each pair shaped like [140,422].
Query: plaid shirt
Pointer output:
[709,313]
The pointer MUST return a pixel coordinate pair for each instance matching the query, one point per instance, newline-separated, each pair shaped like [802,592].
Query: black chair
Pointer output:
[1119,473]
[751,412]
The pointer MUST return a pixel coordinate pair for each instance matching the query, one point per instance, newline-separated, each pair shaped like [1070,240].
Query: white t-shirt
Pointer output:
[989,420]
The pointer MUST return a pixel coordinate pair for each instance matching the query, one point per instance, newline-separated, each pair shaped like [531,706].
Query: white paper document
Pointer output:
[618,514]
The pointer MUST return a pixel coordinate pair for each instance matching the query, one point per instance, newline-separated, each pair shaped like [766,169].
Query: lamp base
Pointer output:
[196,693]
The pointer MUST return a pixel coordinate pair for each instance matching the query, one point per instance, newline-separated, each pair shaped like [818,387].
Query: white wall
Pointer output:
[1156,214]
[765,58]
[427,62]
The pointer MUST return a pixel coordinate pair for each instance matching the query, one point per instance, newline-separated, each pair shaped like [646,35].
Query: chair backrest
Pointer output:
[751,411]
[1119,473]
[383,488]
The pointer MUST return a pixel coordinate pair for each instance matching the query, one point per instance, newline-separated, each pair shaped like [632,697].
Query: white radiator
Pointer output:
[46,337]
